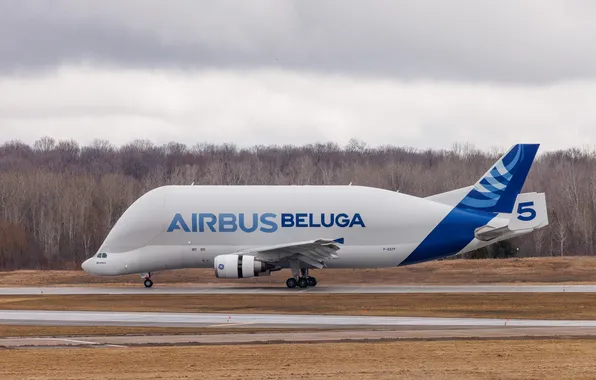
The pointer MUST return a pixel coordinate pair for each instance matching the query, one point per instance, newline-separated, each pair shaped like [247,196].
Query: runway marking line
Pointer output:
[67,340]
[232,324]
[80,342]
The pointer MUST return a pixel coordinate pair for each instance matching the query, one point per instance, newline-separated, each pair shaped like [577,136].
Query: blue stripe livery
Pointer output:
[494,193]
[497,190]
[451,235]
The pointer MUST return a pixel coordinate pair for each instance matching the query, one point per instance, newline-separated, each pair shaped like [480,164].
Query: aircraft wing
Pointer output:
[312,252]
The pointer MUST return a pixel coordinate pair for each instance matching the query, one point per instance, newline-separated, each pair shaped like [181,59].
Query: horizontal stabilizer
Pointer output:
[530,214]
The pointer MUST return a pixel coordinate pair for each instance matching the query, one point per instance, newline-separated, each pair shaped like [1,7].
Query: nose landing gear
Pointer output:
[148,282]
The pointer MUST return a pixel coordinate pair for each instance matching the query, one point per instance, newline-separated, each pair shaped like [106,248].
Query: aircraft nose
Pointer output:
[87,265]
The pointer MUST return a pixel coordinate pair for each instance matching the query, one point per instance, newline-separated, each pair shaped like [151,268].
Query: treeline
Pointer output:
[58,199]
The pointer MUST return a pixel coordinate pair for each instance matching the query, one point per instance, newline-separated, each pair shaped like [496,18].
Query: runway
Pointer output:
[95,318]
[398,289]
[343,328]
[322,328]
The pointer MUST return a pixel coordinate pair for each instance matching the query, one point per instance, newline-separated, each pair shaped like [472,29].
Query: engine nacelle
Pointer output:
[240,266]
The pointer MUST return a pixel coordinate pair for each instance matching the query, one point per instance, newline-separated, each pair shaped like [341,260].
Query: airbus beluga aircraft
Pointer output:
[248,231]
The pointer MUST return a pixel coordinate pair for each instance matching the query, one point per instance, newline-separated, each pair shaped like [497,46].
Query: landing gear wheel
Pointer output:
[291,283]
[148,283]
[302,282]
[311,281]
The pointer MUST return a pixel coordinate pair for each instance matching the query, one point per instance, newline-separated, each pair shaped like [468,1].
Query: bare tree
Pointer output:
[58,200]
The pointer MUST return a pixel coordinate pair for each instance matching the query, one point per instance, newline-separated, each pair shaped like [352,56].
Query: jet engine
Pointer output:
[240,266]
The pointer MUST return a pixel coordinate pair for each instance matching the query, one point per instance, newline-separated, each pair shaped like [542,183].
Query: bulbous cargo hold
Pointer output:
[140,224]
[249,231]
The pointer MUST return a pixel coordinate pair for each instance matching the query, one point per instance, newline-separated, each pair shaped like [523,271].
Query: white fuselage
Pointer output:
[172,227]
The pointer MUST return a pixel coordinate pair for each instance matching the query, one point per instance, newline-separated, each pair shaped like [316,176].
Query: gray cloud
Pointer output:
[251,107]
[467,40]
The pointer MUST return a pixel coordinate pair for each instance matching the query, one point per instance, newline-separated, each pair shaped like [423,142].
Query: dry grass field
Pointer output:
[440,359]
[446,360]
[528,270]
[507,305]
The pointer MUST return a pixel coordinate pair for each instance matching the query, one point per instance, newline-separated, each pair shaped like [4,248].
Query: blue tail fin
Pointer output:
[497,190]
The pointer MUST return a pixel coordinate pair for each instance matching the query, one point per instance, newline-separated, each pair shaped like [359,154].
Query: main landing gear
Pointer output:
[301,279]
[148,281]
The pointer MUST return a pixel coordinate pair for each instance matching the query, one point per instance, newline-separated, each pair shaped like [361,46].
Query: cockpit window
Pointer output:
[102,255]
[98,255]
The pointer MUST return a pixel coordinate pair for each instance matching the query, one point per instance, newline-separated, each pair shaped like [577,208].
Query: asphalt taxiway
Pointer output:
[161,319]
[395,289]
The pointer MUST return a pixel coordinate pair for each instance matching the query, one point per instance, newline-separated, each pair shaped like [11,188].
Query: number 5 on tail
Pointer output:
[529,212]
[525,211]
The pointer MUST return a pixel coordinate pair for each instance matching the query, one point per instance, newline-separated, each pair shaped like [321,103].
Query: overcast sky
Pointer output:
[425,74]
